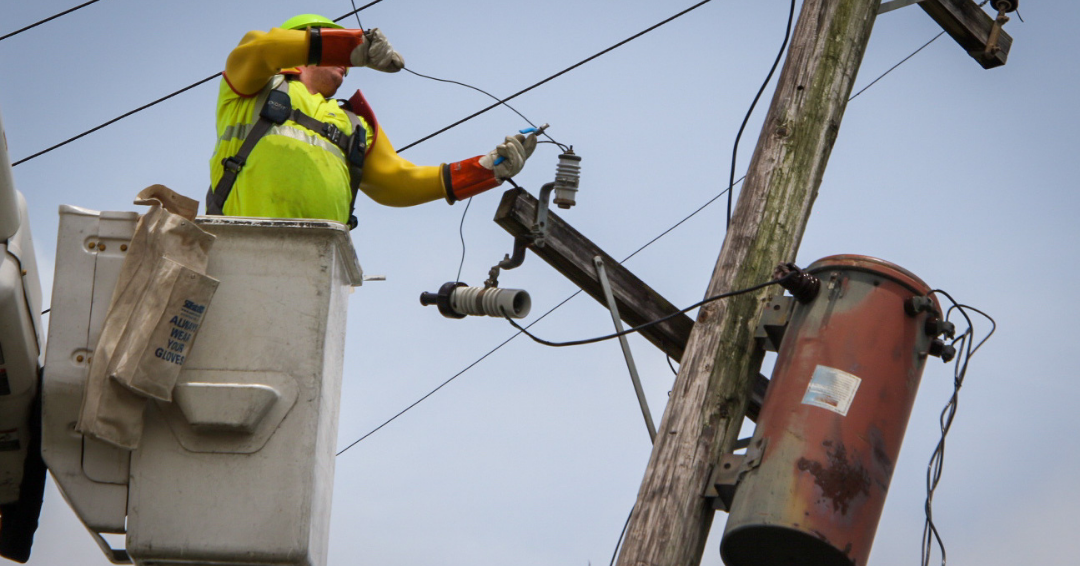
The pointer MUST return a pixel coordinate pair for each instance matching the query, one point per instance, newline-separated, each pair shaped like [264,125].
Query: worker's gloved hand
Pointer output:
[514,151]
[377,53]
[475,175]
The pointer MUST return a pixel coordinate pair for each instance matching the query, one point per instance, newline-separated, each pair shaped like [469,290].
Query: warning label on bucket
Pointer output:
[831,389]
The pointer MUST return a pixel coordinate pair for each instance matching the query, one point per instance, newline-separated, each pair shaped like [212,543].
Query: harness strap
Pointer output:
[355,157]
[275,110]
[216,196]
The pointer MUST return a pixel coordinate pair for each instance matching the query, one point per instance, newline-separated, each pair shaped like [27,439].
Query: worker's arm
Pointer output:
[392,180]
[262,55]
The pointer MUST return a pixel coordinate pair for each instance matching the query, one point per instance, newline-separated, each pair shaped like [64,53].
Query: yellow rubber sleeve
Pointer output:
[261,55]
[392,180]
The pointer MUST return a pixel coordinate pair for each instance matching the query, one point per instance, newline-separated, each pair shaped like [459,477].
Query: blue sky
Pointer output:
[964,176]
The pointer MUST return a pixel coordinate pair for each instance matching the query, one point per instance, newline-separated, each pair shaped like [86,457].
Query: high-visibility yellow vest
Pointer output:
[293,172]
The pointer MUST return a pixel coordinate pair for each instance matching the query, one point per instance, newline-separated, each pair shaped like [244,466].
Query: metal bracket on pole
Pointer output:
[601,274]
[540,228]
[731,469]
[774,320]
[895,5]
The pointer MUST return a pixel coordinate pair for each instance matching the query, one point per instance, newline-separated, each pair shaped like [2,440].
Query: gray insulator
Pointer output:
[491,301]
[567,177]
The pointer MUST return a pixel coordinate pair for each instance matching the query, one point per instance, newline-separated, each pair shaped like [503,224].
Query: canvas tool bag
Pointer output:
[156,310]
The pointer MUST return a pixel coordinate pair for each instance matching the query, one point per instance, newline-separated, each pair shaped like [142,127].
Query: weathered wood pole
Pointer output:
[672,518]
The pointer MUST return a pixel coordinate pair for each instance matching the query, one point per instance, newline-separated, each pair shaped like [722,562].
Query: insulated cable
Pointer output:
[640,249]
[735,149]
[556,75]
[357,11]
[145,106]
[564,301]
[48,19]
[652,322]
[461,234]
[618,543]
[902,61]
[461,227]
[498,101]
[117,119]
[522,330]
[937,459]
[456,375]
[507,341]
[164,98]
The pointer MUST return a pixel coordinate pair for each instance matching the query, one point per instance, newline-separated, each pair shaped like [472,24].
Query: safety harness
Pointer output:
[276,110]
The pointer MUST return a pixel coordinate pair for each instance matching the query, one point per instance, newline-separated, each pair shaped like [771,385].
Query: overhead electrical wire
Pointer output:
[585,341]
[356,11]
[117,119]
[158,101]
[618,543]
[902,61]
[646,245]
[937,459]
[556,75]
[576,293]
[530,325]
[456,375]
[48,19]
[189,87]
[465,212]
[735,149]
[501,101]
[461,234]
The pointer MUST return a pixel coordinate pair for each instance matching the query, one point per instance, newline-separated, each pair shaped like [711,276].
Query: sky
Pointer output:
[963,176]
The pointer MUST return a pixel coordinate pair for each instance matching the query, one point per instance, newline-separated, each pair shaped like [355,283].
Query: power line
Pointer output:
[117,119]
[357,11]
[618,543]
[145,106]
[503,102]
[585,341]
[937,459]
[735,149]
[459,122]
[505,342]
[461,234]
[904,60]
[556,75]
[646,245]
[456,375]
[48,19]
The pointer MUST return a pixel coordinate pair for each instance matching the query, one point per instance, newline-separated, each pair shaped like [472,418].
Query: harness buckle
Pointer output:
[332,133]
[232,164]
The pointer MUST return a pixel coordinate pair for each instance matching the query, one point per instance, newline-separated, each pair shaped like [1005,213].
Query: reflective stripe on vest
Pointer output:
[241,131]
[298,126]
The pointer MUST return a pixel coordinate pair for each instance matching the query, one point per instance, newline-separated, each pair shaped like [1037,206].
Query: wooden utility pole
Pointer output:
[671,519]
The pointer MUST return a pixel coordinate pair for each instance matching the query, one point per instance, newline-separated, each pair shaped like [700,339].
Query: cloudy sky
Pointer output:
[964,176]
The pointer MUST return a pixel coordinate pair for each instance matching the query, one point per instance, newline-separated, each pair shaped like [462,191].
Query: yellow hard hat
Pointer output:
[304,21]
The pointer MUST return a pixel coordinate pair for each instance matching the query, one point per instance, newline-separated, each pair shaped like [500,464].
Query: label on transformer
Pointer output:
[831,389]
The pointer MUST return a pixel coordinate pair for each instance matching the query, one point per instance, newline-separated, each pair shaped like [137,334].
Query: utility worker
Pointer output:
[286,149]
